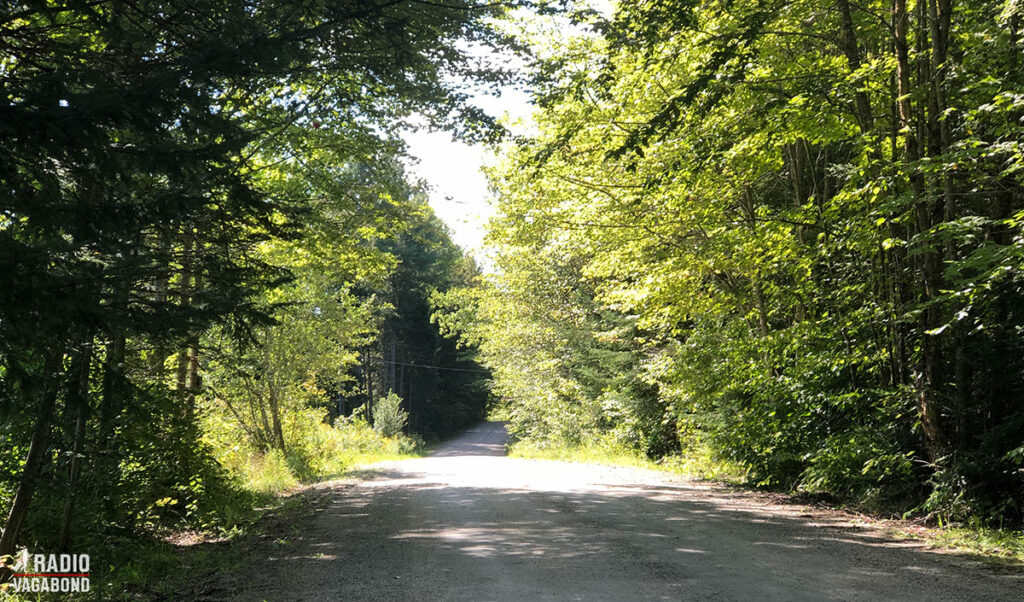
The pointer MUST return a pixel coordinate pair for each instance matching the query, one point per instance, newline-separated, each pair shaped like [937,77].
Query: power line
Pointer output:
[384,361]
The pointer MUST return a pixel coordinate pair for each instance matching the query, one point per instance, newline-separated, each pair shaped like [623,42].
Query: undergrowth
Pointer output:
[316,451]
[697,463]
[1000,546]
[247,485]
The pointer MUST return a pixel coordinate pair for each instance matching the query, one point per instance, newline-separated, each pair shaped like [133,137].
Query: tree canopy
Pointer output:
[196,204]
[784,235]
[789,232]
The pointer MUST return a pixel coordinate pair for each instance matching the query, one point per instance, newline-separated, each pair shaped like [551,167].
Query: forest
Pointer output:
[780,239]
[783,235]
[215,268]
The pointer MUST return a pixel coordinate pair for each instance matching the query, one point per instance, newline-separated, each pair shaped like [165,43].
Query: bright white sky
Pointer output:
[458,190]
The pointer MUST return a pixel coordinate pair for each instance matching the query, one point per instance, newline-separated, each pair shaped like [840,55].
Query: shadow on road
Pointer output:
[485,439]
[431,541]
[464,524]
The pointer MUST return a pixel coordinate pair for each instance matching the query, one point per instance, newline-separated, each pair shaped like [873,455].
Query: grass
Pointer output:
[173,568]
[268,473]
[341,451]
[165,565]
[315,452]
[591,453]
[268,494]
[244,501]
[1001,547]
[698,464]
[158,567]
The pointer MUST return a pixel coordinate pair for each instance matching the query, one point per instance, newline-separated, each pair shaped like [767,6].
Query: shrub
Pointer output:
[270,473]
[389,419]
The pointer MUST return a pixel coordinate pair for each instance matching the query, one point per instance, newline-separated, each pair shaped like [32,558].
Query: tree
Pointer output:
[136,206]
[442,385]
[388,416]
[794,202]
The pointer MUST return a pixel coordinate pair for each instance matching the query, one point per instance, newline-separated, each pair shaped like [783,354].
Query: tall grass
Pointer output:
[697,462]
[314,451]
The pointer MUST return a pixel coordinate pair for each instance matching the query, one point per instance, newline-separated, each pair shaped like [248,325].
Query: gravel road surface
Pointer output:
[468,523]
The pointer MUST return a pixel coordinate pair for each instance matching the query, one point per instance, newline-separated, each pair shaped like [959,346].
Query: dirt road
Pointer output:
[469,524]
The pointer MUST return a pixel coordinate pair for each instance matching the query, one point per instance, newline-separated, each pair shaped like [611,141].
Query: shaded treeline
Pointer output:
[441,385]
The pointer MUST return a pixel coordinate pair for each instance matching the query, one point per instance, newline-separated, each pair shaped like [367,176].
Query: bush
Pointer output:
[314,450]
[389,419]
[270,473]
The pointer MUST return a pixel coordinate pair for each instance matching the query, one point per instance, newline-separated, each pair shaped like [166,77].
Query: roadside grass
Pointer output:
[698,463]
[176,566]
[275,473]
[173,565]
[316,452]
[588,453]
[279,482]
[998,547]
[282,482]
[196,563]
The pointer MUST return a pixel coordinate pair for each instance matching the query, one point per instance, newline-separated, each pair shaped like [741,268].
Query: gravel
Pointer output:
[468,523]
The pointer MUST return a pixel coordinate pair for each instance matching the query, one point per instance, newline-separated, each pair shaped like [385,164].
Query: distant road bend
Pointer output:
[468,523]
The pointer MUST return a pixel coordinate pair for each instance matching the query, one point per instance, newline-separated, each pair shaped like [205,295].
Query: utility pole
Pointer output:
[391,363]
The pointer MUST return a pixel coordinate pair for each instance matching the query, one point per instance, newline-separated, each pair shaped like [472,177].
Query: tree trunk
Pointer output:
[275,417]
[113,386]
[78,397]
[391,360]
[851,49]
[114,380]
[901,26]
[912,127]
[193,381]
[36,456]
[369,388]
[161,290]
[185,290]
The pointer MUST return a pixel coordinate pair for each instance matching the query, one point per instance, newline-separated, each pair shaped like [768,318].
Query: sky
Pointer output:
[457,188]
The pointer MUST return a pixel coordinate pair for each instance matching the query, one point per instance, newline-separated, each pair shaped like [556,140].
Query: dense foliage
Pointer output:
[790,231]
[388,416]
[442,387]
[198,203]
[784,233]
